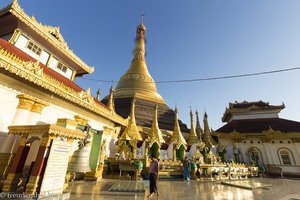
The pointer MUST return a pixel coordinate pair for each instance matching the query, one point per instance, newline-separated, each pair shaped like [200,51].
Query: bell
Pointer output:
[80,161]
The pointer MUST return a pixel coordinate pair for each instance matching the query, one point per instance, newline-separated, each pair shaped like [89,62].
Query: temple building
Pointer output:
[44,110]
[53,131]
[254,133]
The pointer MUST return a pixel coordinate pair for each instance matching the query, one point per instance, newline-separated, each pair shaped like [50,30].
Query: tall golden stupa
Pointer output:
[137,83]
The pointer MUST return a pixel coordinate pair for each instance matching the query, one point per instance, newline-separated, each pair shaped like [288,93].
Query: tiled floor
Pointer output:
[282,189]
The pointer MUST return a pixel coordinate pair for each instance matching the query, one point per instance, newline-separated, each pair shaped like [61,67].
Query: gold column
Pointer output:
[13,178]
[34,182]
[7,149]
[15,36]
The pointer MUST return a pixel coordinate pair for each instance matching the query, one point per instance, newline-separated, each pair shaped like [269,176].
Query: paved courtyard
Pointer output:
[282,189]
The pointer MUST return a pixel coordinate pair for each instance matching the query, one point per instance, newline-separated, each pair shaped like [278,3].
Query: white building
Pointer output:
[254,133]
[37,72]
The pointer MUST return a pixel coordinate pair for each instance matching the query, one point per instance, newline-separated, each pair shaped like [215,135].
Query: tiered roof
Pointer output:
[51,34]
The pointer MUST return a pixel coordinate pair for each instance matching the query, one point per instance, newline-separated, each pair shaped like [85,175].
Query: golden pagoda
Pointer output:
[137,83]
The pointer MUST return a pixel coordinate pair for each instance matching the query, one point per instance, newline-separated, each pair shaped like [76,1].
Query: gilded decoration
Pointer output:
[25,102]
[51,34]
[47,130]
[81,120]
[23,140]
[271,134]
[32,184]
[235,136]
[38,107]
[137,81]
[34,73]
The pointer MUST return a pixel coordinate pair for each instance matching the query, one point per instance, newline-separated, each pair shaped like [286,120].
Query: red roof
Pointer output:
[23,56]
[260,125]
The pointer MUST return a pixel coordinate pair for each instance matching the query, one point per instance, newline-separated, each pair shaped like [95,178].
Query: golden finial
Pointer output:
[98,92]
[142,17]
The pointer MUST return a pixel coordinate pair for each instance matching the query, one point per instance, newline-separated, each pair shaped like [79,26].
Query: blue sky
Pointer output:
[186,40]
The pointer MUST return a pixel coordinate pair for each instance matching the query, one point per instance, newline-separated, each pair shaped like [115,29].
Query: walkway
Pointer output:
[282,189]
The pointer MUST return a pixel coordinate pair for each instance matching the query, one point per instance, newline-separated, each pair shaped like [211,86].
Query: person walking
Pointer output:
[186,169]
[153,175]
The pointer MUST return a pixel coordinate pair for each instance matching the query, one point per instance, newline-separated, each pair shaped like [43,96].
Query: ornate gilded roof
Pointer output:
[51,34]
[137,81]
[245,107]
[15,61]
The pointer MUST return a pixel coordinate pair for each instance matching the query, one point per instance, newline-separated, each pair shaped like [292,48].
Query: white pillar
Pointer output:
[35,112]
[297,156]
[243,154]
[266,154]
[10,143]
[271,153]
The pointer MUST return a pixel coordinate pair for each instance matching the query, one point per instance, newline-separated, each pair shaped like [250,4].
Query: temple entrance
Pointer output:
[180,152]
[154,150]
[47,165]
[223,154]
[255,155]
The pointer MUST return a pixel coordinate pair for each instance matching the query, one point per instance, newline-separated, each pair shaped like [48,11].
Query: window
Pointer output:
[34,48]
[61,67]
[254,155]
[286,157]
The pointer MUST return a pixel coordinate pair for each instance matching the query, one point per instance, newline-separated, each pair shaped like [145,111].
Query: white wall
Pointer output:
[254,116]
[21,44]
[53,63]
[269,151]
[8,105]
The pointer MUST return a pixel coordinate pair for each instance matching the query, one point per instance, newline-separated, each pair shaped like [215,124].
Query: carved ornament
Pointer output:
[34,73]
[51,34]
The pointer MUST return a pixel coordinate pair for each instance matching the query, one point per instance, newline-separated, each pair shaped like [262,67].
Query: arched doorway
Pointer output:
[255,155]
[223,154]
[154,150]
[180,152]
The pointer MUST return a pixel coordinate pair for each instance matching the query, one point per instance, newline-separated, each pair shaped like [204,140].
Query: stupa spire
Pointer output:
[137,81]
[155,133]
[199,130]
[177,135]
[110,103]
[206,135]
[193,139]
[131,132]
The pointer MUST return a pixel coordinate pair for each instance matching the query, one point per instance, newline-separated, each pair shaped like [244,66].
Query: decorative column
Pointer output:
[39,165]
[96,156]
[12,180]
[23,109]
[20,118]
[36,111]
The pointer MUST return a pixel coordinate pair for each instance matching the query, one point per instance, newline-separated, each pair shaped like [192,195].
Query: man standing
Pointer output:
[186,169]
[153,174]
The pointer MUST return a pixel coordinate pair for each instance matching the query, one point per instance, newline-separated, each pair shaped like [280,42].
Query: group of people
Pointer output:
[153,174]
